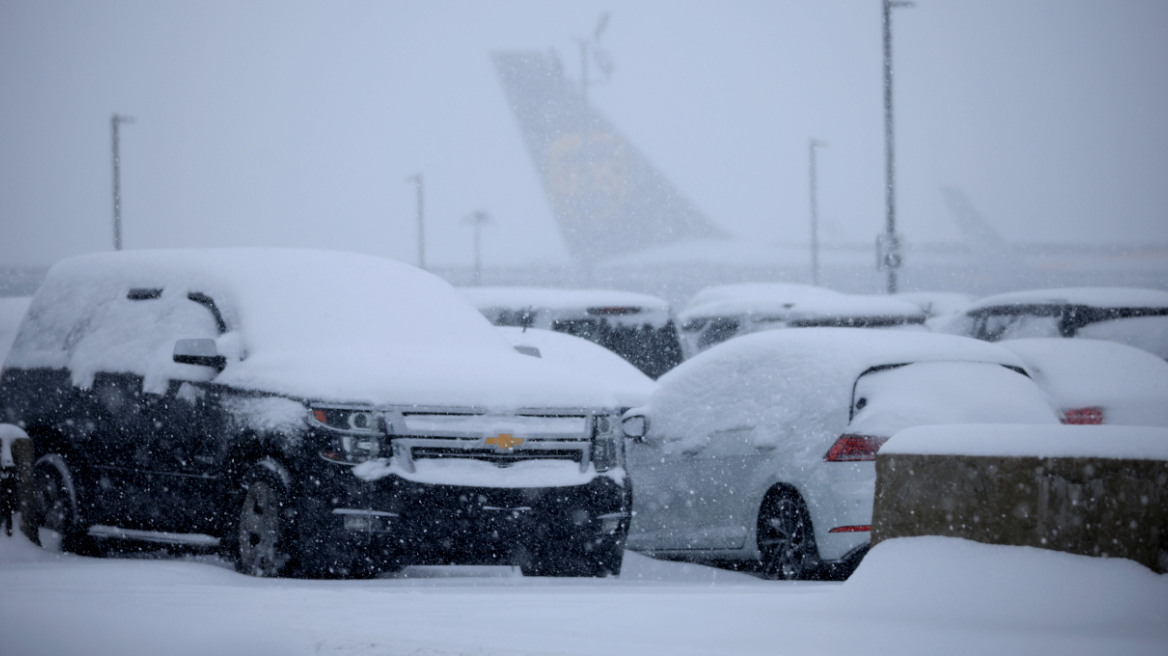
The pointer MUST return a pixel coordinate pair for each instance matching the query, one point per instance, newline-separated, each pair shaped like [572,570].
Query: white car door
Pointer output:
[691,494]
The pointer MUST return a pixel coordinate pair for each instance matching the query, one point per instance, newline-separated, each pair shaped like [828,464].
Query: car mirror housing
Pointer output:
[635,427]
[201,352]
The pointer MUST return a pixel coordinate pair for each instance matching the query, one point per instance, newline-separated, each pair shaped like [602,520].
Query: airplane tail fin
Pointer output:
[970,222]
[607,198]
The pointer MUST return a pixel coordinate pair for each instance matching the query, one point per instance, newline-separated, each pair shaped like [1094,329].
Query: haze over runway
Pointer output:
[297,123]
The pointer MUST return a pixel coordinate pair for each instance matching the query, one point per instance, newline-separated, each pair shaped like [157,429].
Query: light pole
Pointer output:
[811,146]
[478,219]
[888,256]
[417,180]
[115,121]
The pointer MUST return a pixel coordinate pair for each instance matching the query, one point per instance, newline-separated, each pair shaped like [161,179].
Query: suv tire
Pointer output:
[56,521]
[263,538]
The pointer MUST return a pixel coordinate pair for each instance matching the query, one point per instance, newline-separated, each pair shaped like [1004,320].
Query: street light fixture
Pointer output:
[115,121]
[888,256]
[811,146]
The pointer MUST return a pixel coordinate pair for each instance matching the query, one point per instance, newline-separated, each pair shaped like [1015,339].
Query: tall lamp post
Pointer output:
[418,184]
[115,121]
[478,219]
[888,256]
[811,146]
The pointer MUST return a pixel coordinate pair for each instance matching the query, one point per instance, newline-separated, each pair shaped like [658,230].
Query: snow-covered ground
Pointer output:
[910,596]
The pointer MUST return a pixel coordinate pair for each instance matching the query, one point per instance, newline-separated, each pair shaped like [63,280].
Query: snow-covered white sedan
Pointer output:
[761,450]
[1098,382]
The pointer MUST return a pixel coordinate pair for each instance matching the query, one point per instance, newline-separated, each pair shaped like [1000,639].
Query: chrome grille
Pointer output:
[501,458]
[411,449]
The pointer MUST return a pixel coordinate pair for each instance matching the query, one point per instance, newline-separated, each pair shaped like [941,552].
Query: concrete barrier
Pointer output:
[1089,490]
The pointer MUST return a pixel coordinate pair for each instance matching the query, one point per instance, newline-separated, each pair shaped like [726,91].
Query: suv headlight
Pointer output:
[608,449]
[355,436]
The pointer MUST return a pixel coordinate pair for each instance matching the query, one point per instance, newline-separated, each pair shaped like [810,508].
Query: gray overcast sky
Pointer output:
[295,123]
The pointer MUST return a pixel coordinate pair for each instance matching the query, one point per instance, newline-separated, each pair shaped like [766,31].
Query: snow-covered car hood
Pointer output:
[494,379]
[587,361]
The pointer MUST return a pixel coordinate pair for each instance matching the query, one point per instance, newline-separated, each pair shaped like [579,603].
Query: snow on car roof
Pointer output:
[1102,297]
[564,299]
[1117,442]
[1129,383]
[937,303]
[791,299]
[314,324]
[587,359]
[797,380]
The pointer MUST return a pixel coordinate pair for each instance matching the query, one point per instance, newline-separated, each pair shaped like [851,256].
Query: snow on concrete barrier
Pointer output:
[1090,490]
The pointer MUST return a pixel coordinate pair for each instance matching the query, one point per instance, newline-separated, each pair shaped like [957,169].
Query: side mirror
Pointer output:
[635,427]
[201,352]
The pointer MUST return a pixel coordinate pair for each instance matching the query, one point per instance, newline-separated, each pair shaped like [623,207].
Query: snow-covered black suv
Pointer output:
[314,413]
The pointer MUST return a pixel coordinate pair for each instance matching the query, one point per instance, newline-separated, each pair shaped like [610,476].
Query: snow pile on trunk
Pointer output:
[1114,442]
[946,392]
[1128,384]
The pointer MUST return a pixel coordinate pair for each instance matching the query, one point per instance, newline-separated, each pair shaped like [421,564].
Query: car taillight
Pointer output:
[1083,416]
[859,528]
[852,448]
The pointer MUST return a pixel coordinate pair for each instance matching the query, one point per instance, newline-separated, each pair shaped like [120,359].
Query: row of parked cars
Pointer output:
[328,414]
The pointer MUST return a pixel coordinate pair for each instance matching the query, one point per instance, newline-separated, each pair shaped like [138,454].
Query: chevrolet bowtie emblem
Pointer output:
[504,441]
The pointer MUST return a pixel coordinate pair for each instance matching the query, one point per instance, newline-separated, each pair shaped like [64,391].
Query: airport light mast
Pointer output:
[888,255]
[478,219]
[815,143]
[417,180]
[115,121]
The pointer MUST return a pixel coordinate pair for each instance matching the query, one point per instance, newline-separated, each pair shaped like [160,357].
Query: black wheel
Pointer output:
[263,537]
[786,542]
[57,522]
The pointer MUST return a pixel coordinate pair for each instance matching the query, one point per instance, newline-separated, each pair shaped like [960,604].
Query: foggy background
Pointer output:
[297,123]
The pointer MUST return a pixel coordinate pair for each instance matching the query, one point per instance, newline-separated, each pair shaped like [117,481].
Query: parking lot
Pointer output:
[920,596]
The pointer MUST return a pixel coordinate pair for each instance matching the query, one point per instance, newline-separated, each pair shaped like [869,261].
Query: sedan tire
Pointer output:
[786,541]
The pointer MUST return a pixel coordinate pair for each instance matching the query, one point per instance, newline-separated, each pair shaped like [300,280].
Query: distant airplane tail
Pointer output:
[970,222]
[607,198]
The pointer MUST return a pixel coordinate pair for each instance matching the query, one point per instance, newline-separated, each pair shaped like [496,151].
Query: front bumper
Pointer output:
[395,522]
